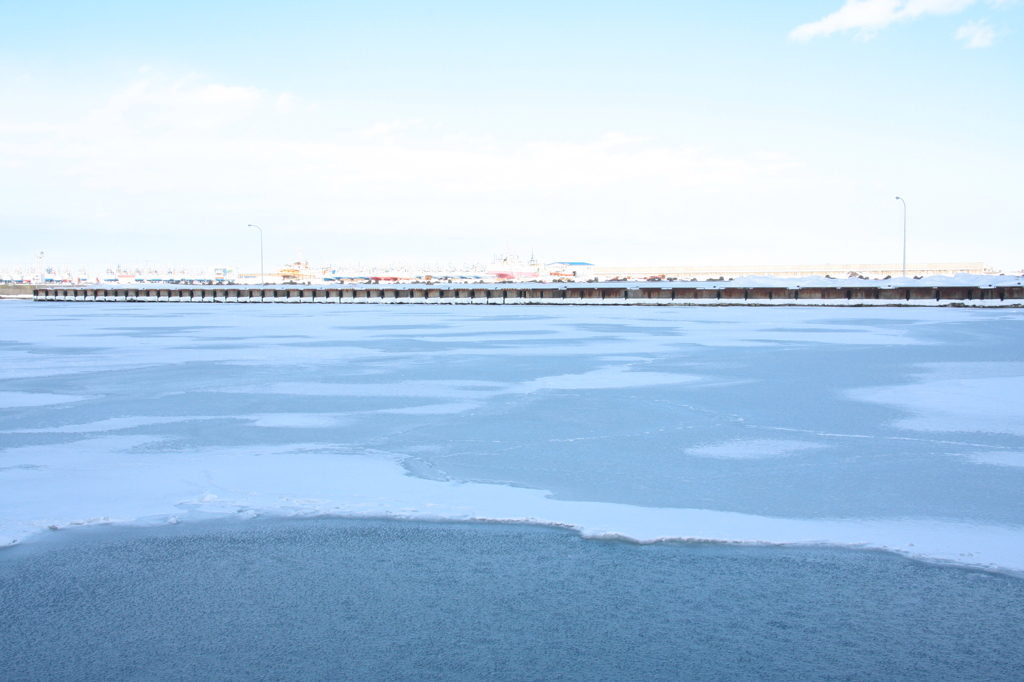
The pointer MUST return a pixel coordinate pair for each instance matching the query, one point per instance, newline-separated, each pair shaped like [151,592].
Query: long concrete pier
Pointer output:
[844,293]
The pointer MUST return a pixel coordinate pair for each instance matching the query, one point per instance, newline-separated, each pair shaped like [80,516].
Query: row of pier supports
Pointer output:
[497,294]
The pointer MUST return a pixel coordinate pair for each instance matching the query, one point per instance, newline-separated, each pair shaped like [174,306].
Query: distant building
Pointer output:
[574,269]
[869,270]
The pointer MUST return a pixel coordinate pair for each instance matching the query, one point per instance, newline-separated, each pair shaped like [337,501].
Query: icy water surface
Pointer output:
[895,428]
[407,600]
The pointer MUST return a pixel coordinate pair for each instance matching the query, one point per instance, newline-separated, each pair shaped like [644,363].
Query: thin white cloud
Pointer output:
[975,34]
[384,128]
[870,16]
[285,103]
[183,104]
[197,149]
[191,136]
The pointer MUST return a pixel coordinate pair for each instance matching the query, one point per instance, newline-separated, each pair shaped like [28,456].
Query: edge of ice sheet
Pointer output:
[992,404]
[231,483]
[15,399]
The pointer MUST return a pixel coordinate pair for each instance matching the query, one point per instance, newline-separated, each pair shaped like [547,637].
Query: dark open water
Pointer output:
[367,600]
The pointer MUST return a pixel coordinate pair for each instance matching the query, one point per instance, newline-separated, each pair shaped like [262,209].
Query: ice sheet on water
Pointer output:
[859,426]
[105,425]
[604,378]
[295,420]
[9,399]
[607,377]
[752,449]
[233,482]
[385,389]
[979,403]
[435,408]
[998,458]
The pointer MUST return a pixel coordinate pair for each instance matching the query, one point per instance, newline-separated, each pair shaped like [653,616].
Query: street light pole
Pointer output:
[904,235]
[261,251]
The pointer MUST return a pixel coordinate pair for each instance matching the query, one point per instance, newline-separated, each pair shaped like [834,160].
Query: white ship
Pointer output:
[510,267]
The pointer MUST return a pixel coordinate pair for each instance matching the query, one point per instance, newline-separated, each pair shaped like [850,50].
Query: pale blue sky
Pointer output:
[643,132]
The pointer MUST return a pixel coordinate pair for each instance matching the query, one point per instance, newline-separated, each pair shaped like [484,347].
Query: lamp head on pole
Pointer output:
[897,199]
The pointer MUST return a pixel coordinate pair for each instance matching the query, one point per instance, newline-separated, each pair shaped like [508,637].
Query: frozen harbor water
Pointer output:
[872,428]
[335,599]
[901,429]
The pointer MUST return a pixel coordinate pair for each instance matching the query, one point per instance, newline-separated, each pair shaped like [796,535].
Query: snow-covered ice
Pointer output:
[894,428]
